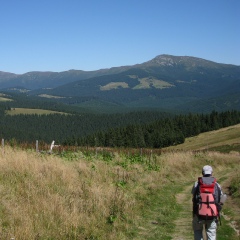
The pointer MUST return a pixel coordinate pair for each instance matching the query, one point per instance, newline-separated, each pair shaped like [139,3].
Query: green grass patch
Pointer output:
[225,231]
[234,187]
[160,210]
[150,82]
[114,85]
[226,148]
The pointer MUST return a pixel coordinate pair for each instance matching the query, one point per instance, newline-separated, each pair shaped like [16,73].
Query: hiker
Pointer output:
[206,205]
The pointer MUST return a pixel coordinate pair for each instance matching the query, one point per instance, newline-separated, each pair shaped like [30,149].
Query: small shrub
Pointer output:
[234,187]
[106,156]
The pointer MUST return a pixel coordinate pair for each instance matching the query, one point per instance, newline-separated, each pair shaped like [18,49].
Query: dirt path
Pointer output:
[183,229]
[183,225]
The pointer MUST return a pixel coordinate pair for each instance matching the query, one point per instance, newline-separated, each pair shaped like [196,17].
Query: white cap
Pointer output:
[207,170]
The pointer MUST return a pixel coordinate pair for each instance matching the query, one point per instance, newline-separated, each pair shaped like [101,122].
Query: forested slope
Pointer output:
[163,132]
[151,129]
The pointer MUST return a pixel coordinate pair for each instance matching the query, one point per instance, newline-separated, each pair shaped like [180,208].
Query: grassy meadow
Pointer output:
[4,98]
[16,111]
[107,195]
[224,140]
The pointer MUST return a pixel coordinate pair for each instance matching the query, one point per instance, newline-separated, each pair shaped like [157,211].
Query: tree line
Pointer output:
[150,129]
[161,133]
[61,128]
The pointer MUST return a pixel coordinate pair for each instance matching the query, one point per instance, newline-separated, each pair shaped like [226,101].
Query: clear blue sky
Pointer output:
[58,35]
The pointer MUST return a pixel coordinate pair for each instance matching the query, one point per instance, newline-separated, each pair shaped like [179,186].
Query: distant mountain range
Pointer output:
[174,83]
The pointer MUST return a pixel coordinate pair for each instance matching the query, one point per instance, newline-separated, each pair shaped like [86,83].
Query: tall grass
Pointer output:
[96,196]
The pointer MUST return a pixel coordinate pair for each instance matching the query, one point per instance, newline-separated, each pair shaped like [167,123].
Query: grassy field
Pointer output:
[4,98]
[145,83]
[16,111]
[114,85]
[224,140]
[108,195]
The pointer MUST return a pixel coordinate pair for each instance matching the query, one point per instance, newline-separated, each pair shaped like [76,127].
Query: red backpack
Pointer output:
[207,208]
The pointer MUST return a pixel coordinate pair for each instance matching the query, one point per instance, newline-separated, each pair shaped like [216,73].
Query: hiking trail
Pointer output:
[183,224]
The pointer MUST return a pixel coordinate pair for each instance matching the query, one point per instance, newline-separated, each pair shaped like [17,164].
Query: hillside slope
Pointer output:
[166,82]
[109,194]
[225,140]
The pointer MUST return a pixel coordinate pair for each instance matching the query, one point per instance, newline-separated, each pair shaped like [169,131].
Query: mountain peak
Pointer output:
[164,60]
[187,61]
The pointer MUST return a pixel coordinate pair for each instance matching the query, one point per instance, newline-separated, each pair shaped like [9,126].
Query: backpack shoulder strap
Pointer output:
[195,198]
[199,179]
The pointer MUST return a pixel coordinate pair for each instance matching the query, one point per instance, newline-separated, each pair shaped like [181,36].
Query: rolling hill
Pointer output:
[176,83]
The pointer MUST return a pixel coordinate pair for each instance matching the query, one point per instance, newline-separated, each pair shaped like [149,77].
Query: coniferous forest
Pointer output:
[161,133]
[135,129]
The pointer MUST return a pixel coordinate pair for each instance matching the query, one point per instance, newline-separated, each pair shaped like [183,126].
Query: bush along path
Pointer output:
[183,224]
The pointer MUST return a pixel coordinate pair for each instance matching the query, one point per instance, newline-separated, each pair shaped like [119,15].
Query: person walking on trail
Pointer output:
[206,194]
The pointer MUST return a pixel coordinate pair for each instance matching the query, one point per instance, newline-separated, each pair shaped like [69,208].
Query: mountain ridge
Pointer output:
[161,59]
[165,81]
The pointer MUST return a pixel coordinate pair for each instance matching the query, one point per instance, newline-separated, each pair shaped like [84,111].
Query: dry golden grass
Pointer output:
[45,197]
